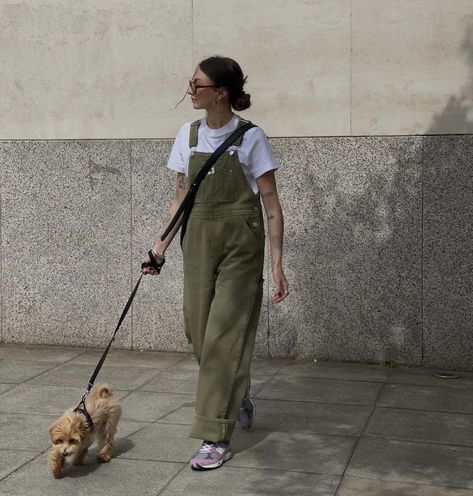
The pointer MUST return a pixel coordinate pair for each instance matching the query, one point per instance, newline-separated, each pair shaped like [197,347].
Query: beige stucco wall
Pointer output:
[116,68]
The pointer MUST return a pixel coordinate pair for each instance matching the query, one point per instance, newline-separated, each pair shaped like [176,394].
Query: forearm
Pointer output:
[161,246]
[276,233]
[181,191]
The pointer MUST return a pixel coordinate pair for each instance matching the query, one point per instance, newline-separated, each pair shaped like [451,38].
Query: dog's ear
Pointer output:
[51,429]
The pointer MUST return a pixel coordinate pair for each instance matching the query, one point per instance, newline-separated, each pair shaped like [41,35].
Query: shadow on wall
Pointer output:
[458,113]
[377,244]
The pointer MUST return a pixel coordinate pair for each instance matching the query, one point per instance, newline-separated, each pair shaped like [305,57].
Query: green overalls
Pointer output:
[223,252]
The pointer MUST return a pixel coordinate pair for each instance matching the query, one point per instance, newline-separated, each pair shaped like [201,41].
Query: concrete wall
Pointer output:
[378,247]
[114,69]
[368,106]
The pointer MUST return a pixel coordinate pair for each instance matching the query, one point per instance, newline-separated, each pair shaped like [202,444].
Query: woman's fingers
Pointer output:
[282,290]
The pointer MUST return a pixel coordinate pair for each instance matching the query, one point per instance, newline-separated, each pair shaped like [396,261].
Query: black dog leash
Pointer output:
[81,406]
[186,207]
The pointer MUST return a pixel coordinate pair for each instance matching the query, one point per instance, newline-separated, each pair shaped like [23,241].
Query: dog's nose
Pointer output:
[65,453]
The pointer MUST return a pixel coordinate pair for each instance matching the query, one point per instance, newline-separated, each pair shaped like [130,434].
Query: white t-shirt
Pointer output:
[254,153]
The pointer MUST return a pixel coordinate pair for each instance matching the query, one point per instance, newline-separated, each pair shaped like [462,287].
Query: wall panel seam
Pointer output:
[1,253]
[130,171]
[422,258]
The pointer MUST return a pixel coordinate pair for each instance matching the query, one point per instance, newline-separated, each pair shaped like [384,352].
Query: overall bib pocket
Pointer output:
[218,186]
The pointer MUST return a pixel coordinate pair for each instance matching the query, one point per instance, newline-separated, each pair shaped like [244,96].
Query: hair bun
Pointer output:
[242,102]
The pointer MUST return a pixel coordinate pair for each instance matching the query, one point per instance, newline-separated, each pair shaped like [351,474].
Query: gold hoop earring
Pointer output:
[219,101]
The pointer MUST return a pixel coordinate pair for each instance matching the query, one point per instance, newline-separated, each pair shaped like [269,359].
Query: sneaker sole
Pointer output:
[226,457]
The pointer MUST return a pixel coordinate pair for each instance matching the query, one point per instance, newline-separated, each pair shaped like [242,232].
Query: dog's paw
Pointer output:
[103,458]
[58,473]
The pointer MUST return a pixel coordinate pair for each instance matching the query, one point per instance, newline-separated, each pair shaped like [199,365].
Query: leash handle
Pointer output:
[153,263]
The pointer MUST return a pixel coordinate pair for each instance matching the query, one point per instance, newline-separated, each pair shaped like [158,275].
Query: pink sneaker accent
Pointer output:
[211,455]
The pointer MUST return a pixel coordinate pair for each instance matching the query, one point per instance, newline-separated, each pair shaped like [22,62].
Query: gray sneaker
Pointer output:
[211,455]
[247,413]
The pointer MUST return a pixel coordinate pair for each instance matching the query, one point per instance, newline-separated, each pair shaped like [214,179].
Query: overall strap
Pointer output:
[194,133]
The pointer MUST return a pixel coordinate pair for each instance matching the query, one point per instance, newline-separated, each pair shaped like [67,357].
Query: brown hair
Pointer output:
[224,71]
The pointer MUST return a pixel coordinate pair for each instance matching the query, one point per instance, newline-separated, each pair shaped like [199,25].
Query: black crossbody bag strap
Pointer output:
[188,202]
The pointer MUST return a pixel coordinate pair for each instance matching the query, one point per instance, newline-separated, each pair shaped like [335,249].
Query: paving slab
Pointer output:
[319,418]
[38,353]
[162,442]
[173,381]
[321,390]
[263,366]
[334,370]
[177,380]
[10,460]
[326,455]
[25,431]
[420,463]
[422,426]
[188,363]
[117,478]
[182,415]
[22,370]
[119,378]
[251,482]
[43,400]
[148,406]
[126,358]
[426,398]
[426,377]
[353,486]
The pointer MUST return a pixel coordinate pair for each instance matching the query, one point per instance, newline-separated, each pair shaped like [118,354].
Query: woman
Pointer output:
[223,251]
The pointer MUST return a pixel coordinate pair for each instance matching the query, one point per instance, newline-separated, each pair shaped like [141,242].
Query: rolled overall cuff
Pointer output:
[212,429]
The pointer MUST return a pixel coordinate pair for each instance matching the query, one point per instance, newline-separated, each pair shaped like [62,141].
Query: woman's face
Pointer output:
[202,97]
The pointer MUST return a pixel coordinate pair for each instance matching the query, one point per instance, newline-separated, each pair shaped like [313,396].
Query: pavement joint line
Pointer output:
[59,364]
[332,379]
[13,384]
[424,410]
[172,479]
[404,481]
[24,449]
[367,421]
[22,465]
[160,372]
[314,402]
[411,441]
[273,469]
[30,359]
[436,386]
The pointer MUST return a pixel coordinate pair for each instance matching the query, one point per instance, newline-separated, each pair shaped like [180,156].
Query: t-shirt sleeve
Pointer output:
[176,157]
[261,156]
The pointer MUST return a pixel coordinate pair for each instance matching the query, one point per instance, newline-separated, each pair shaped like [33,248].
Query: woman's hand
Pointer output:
[149,269]
[282,286]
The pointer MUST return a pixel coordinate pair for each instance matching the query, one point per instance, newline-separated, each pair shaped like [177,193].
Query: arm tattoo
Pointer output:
[270,218]
[182,181]
[276,241]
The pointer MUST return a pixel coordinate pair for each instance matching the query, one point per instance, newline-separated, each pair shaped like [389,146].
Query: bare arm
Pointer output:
[160,247]
[267,186]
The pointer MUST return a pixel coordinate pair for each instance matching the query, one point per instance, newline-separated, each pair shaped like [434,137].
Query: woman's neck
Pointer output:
[216,120]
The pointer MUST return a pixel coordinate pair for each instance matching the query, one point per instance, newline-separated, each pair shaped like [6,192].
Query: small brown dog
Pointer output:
[72,438]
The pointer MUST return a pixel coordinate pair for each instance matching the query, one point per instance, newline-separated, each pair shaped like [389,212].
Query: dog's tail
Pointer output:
[103,391]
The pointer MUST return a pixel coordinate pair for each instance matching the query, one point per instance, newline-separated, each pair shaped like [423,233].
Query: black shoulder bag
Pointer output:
[188,202]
